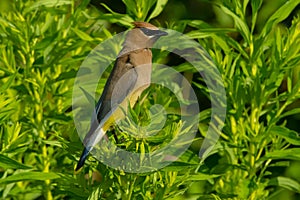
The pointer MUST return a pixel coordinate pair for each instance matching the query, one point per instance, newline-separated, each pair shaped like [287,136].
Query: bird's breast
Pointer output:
[142,62]
[140,57]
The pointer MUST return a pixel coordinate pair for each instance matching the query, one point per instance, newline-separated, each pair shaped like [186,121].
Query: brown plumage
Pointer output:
[130,76]
[144,25]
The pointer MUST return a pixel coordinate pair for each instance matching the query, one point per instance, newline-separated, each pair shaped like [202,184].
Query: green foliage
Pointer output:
[42,46]
[255,70]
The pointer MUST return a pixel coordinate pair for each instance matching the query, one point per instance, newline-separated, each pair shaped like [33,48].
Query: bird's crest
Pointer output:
[144,25]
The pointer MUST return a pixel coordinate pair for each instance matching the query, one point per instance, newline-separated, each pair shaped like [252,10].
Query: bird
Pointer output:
[130,76]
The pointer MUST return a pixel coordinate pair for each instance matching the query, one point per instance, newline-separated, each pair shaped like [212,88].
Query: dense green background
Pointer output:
[256,47]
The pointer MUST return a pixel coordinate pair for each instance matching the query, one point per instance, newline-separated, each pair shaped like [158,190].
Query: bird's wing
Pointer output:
[119,85]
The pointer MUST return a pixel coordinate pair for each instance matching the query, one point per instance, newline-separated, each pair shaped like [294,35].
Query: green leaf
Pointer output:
[286,183]
[43,44]
[256,4]
[281,164]
[53,143]
[189,157]
[292,154]
[82,34]
[241,25]
[160,4]
[237,46]
[8,83]
[67,75]
[96,194]
[89,97]
[282,13]
[290,112]
[201,177]
[289,135]
[131,7]
[27,176]
[114,17]
[177,166]
[8,163]
[47,3]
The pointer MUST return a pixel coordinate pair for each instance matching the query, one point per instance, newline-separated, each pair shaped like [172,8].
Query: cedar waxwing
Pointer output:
[130,76]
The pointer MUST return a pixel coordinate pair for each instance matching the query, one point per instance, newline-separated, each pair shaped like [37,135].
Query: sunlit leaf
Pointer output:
[27,176]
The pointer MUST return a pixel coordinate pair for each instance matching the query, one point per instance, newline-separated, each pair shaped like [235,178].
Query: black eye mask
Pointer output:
[150,32]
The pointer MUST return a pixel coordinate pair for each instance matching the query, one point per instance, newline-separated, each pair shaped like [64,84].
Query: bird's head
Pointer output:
[143,35]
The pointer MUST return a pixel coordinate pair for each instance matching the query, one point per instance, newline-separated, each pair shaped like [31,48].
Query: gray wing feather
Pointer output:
[120,83]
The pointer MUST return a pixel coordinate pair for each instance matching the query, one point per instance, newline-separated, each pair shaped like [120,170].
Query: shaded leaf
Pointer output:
[8,163]
[286,183]
[282,13]
[160,4]
[88,96]
[293,154]
[239,22]
[290,135]
[8,83]
[67,75]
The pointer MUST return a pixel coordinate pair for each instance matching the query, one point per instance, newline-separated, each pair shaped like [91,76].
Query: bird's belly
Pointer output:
[121,111]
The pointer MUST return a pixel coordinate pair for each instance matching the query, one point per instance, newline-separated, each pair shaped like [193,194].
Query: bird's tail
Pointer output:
[90,141]
[83,157]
